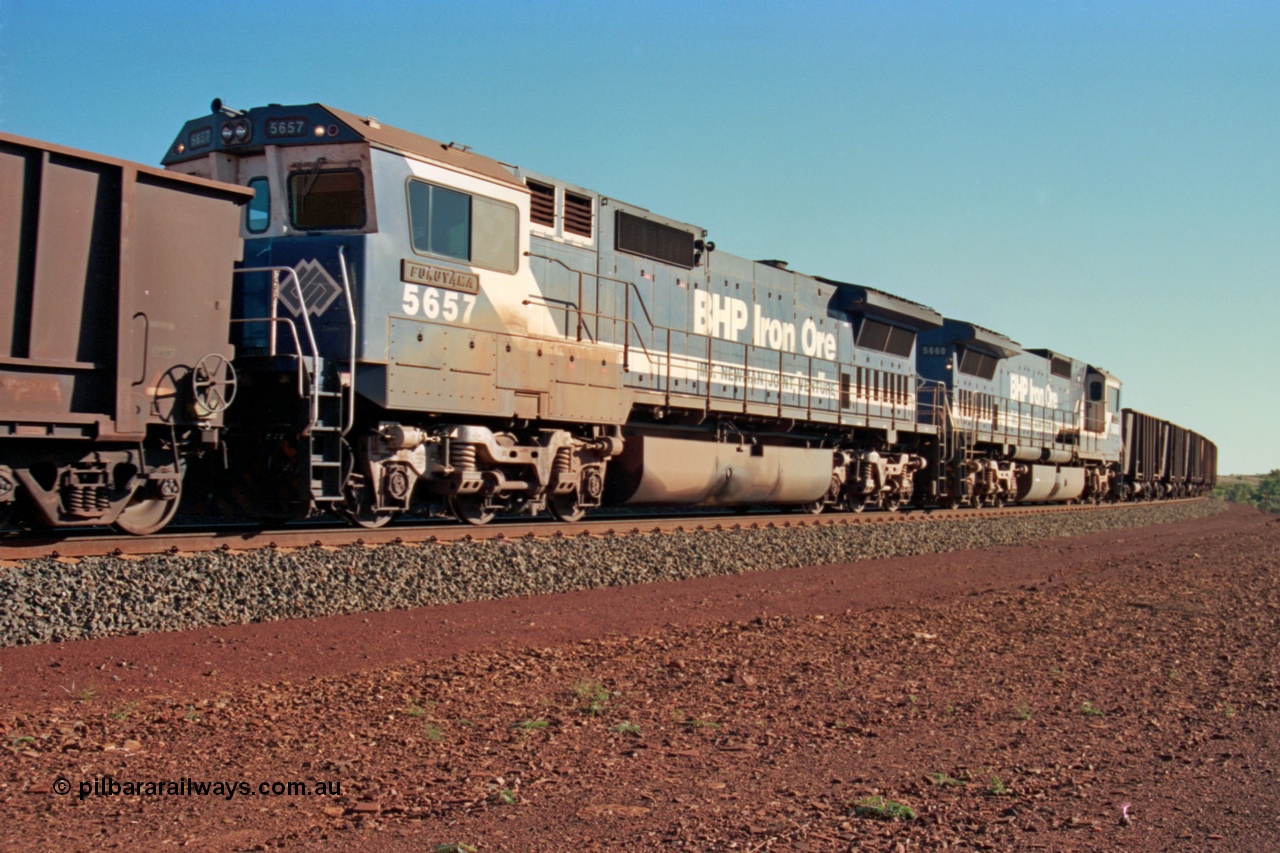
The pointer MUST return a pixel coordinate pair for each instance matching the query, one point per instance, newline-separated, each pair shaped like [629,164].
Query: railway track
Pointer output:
[69,546]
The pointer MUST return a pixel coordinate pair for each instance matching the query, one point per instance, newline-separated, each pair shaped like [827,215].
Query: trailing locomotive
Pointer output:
[416,326]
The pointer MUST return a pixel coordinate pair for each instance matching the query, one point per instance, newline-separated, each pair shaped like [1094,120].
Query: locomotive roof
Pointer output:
[973,335]
[878,303]
[447,153]
[203,136]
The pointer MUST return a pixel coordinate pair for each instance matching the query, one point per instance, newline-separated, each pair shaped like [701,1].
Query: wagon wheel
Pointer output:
[857,503]
[976,500]
[148,510]
[470,509]
[953,502]
[213,384]
[891,503]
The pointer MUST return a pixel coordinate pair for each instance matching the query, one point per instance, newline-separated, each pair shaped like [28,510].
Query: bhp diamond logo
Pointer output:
[319,290]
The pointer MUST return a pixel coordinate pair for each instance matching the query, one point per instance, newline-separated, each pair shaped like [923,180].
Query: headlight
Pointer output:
[242,131]
[227,133]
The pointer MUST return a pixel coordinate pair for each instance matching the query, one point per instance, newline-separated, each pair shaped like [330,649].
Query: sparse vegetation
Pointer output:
[1022,712]
[883,809]
[1262,492]
[122,714]
[997,788]
[627,729]
[531,725]
[432,732]
[946,781]
[1089,710]
[594,697]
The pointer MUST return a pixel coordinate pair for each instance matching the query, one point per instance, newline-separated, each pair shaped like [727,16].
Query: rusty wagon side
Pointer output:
[115,300]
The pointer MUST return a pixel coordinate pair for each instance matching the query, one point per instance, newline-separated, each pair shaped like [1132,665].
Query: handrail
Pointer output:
[1030,427]
[306,323]
[351,357]
[297,345]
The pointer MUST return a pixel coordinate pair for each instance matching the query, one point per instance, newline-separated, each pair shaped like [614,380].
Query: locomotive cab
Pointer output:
[384,319]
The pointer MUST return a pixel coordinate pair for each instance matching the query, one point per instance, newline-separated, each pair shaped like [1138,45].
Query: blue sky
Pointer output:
[1100,178]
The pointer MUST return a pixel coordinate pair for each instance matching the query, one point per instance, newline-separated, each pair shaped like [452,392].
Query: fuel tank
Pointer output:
[658,470]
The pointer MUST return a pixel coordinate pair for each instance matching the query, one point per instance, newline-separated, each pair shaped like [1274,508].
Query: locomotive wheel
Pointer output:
[953,503]
[144,516]
[357,508]
[857,503]
[565,508]
[367,517]
[891,504]
[470,509]
[814,507]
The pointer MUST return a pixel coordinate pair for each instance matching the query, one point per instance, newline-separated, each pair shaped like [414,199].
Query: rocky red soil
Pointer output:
[1110,691]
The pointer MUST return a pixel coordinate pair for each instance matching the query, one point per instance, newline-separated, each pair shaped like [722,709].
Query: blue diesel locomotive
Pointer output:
[419,325]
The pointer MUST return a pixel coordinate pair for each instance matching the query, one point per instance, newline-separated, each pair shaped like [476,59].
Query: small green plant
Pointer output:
[1055,670]
[627,729]
[947,781]
[1090,711]
[432,732]
[883,809]
[911,699]
[191,714]
[415,710]
[997,788]
[84,694]
[503,797]
[123,713]
[699,724]
[1022,712]
[593,696]
[22,740]
[532,725]
[1175,675]
[1228,710]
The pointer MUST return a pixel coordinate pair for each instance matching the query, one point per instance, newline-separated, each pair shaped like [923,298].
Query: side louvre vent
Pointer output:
[577,214]
[542,204]
[1060,367]
[654,240]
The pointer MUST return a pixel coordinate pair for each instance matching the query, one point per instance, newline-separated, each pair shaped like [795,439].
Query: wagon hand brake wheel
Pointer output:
[213,383]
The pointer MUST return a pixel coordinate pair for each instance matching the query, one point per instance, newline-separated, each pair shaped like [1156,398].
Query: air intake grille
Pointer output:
[654,240]
[542,204]
[577,214]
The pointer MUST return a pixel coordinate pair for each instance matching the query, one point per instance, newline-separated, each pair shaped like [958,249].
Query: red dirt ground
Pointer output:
[1110,691]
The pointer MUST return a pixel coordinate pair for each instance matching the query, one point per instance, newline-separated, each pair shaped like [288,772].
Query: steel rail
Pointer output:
[43,544]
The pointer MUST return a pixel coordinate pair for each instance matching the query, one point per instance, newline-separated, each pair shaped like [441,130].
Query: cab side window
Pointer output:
[257,213]
[462,227]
